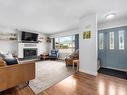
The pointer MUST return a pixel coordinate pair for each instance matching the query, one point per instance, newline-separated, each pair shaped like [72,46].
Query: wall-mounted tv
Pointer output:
[29,37]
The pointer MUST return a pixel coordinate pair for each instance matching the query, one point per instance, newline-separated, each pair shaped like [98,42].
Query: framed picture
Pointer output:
[87,35]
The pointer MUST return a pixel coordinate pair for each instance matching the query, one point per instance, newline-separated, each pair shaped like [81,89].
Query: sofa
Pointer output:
[69,59]
[53,54]
[15,74]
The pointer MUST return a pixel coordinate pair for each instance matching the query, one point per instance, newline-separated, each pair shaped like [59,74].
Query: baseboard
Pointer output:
[98,68]
[125,70]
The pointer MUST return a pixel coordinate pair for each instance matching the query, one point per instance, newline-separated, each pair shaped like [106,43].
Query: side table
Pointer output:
[76,61]
[44,56]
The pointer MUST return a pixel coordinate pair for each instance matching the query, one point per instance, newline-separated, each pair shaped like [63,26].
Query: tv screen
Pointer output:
[31,37]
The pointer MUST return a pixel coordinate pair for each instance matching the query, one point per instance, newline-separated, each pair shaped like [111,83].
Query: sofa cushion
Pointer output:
[2,55]
[10,61]
[9,56]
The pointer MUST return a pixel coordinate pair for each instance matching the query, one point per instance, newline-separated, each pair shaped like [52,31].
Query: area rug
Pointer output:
[49,73]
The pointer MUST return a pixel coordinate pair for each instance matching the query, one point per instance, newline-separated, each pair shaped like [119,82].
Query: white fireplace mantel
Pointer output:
[22,46]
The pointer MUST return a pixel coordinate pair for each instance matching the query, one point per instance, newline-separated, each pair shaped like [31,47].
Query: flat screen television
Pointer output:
[29,37]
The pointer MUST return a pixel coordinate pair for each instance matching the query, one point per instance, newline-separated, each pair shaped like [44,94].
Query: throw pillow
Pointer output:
[2,62]
[10,60]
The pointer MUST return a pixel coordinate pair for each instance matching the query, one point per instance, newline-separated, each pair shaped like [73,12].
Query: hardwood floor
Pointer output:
[19,90]
[79,84]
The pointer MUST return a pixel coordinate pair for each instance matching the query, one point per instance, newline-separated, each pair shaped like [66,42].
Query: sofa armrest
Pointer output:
[13,75]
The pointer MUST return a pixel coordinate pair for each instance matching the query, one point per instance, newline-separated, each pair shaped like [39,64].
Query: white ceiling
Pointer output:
[49,16]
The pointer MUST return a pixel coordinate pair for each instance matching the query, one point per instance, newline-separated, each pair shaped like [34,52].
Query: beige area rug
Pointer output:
[49,73]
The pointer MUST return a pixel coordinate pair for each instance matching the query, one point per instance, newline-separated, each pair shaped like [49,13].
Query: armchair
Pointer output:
[69,59]
[53,54]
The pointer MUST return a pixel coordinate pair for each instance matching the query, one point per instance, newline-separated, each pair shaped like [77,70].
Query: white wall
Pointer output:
[88,47]
[8,46]
[43,46]
[112,23]
[66,33]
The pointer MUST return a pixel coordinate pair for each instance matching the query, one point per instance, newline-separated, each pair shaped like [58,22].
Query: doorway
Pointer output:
[112,51]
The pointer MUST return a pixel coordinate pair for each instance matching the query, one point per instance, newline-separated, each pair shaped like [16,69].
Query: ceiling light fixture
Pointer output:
[110,16]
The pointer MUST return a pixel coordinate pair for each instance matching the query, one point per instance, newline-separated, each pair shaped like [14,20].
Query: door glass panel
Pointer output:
[101,40]
[111,40]
[121,40]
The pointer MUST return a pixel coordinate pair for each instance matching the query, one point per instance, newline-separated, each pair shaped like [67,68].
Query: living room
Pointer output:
[63,47]
[33,52]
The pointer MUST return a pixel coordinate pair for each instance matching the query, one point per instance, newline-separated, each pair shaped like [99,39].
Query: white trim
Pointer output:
[111,27]
[125,70]
[98,67]
[112,23]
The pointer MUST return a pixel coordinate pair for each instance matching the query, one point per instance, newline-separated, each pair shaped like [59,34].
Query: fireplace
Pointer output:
[30,52]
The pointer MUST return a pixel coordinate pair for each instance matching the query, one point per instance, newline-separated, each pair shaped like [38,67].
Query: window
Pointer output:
[101,39]
[111,40]
[65,44]
[121,40]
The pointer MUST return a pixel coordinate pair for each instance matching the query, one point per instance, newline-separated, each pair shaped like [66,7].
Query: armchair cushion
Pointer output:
[73,56]
[53,53]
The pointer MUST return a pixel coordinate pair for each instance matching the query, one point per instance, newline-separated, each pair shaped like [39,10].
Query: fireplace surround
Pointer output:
[28,50]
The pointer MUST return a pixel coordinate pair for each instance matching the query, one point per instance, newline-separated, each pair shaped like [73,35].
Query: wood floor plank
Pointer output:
[18,90]
[79,84]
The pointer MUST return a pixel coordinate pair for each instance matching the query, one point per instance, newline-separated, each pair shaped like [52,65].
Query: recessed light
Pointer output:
[110,16]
